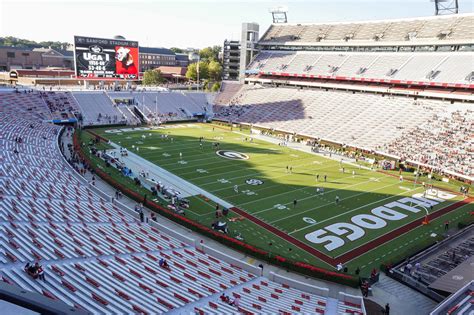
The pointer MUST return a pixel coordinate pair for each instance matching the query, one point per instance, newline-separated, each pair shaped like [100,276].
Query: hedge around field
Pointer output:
[248,249]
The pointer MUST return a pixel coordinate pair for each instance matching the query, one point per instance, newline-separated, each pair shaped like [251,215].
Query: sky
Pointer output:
[186,23]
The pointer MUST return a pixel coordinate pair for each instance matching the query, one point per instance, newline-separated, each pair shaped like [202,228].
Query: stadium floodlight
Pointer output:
[279,14]
[444,7]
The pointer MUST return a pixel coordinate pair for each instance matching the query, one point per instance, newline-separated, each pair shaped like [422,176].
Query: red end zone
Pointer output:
[356,251]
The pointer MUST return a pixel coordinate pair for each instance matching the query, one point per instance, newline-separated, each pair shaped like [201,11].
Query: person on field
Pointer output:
[294,203]
[317,177]
[236,189]
[325,177]
[337,200]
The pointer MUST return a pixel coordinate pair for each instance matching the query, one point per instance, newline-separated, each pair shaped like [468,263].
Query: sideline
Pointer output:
[136,163]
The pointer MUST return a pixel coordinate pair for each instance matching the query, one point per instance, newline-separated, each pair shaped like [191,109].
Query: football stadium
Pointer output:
[324,168]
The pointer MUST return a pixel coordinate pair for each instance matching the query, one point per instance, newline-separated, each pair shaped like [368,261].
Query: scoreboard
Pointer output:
[97,58]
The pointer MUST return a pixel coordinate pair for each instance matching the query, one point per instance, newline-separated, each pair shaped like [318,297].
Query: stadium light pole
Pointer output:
[197,70]
[279,14]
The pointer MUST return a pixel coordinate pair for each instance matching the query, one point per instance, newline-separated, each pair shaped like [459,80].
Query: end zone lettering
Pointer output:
[377,219]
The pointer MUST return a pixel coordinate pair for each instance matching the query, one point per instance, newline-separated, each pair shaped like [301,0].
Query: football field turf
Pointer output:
[269,178]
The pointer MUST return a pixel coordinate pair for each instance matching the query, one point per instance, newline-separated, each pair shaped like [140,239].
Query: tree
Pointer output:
[215,70]
[206,54]
[210,53]
[25,43]
[216,87]
[191,73]
[216,50]
[205,85]
[152,77]
[177,50]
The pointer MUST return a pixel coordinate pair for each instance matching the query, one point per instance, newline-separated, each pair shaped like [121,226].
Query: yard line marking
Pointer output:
[336,216]
[226,162]
[266,186]
[258,173]
[173,170]
[307,187]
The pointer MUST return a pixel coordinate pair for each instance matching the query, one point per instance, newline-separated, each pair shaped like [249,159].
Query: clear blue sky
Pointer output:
[185,23]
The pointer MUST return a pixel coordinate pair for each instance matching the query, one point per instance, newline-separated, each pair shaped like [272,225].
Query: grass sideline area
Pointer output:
[267,190]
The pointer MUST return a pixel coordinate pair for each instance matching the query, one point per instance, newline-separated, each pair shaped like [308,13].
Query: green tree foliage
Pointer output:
[205,85]
[210,53]
[152,77]
[177,50]
[210,68]
[191,73]
[216,87]
[215,70]
[25,43]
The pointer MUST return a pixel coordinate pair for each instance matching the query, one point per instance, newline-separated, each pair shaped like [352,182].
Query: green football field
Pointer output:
[269,178]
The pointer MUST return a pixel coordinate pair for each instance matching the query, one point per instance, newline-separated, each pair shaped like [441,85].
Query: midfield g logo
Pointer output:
[254,182]
[232,155]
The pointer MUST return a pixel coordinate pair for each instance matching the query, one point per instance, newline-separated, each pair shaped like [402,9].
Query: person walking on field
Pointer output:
[294,203]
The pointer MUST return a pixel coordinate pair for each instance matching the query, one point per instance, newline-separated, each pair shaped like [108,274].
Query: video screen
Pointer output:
[106,58]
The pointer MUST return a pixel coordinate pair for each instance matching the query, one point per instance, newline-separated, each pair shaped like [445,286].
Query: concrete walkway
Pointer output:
[402,299]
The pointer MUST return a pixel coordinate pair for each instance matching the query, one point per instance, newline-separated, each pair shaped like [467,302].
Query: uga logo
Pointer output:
[95,49]
[232,155]
[254,182]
